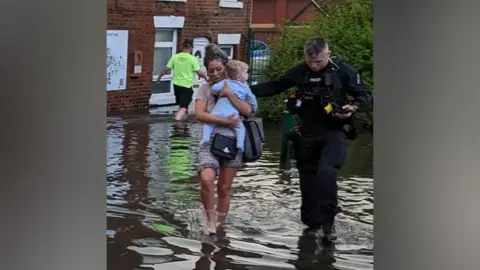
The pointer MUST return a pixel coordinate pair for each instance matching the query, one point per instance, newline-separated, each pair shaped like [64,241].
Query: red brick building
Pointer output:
[143,34]
[156,29]
[270,15]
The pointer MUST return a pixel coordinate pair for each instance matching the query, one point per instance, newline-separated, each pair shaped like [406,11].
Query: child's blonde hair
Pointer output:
[234,67]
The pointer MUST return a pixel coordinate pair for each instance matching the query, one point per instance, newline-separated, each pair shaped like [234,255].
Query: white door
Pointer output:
[199,44]
[199,52]
[165,48]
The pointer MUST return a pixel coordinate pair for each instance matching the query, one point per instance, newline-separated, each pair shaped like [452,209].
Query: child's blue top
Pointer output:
[240,89]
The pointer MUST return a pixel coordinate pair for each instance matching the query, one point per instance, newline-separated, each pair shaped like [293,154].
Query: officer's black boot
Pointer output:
[329,231]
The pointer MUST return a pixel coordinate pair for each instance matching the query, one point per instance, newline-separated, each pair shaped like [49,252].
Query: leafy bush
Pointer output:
[347,27]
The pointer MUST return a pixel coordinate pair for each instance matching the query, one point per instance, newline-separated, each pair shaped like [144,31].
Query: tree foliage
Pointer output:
[348,28]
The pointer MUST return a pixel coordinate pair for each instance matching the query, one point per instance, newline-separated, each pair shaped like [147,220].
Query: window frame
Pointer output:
[166,44]
[231,4]
[232,50]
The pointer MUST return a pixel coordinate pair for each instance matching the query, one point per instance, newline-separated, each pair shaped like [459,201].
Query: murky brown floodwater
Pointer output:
[154,214]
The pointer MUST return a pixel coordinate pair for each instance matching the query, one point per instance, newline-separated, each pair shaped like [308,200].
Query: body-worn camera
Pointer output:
[333,108]
[294,104]
[348,127]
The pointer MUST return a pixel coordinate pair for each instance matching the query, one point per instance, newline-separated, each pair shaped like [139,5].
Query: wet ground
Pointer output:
[154,217]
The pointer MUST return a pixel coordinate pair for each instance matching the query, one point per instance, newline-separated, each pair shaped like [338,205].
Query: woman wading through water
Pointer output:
[209,166]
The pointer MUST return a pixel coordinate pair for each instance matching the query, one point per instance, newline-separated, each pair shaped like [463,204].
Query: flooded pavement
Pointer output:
[154,216]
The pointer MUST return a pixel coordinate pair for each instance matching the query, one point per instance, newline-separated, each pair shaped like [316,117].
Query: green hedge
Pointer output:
[348,28]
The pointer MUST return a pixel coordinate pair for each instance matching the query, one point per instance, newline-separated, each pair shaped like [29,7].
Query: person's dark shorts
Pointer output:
[183,96]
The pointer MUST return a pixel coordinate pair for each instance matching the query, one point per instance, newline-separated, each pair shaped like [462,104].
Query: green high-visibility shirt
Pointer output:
[183,66]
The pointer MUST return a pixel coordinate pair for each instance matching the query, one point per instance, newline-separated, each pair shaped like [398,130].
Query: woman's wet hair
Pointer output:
[214,52]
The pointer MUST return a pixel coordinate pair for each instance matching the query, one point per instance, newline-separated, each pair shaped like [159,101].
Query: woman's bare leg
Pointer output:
[207,196]
[224,190]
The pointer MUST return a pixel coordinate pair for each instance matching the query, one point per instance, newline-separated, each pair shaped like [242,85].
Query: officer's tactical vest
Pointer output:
[330,87]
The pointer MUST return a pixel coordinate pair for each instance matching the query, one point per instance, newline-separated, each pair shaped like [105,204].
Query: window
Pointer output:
[228,49]
[259,49]
[165,48]
[161,87]
[231,3]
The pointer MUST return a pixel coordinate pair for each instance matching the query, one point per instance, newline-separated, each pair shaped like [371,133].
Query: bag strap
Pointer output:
[256,126]
[262,136]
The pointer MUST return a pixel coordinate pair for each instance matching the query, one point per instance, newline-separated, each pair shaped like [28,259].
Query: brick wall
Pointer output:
[268,16]
[203,18]
[276,12]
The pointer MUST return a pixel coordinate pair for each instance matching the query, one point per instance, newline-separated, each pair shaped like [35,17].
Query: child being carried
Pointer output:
[237,73]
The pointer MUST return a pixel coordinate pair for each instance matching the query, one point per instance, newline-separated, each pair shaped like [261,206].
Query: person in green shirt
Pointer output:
[183,65]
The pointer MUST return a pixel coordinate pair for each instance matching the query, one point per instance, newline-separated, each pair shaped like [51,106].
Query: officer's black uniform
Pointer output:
[320,148]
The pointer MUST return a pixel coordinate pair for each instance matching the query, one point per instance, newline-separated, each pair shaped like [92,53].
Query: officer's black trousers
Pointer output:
[319,158]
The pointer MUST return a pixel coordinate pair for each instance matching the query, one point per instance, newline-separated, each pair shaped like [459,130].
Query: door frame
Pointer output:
[202,67]
[161,99]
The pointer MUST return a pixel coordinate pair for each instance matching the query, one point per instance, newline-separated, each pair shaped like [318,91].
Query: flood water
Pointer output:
[154,216]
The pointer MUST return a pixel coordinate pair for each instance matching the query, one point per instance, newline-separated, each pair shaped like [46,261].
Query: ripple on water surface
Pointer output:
[154,217]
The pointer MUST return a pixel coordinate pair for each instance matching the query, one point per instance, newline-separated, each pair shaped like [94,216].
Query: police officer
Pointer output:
[324,126]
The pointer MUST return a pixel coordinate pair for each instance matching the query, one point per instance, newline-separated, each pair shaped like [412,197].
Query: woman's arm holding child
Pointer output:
[202,114]
[217,87]
[244,107]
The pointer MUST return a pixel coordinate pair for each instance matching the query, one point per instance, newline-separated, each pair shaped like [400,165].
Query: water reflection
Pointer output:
[154,215]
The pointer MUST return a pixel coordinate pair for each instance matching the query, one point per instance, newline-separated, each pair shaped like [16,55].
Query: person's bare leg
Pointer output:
[180,114]
[224,190]
[207,196]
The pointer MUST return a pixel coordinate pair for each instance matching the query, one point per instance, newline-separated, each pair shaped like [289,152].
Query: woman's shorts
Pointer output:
[183,96]
[208,160]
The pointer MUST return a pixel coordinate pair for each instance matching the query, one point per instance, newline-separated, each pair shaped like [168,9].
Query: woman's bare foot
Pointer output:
[210,226]
[221,221]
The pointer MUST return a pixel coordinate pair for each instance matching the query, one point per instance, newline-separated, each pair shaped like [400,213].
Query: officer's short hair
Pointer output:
[234,67]
[315,46]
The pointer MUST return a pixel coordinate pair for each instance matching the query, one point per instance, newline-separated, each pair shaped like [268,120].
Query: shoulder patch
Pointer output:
[359,78]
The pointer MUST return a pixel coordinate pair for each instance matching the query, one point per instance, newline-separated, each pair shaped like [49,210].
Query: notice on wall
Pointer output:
[117,56]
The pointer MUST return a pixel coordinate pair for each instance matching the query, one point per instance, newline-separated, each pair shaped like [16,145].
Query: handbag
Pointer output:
[224,147]
[254,138]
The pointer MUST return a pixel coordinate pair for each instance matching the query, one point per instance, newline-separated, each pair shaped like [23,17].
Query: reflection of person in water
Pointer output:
[314,254]
[133,167]
[179,157]
[180,129]
[209,255]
